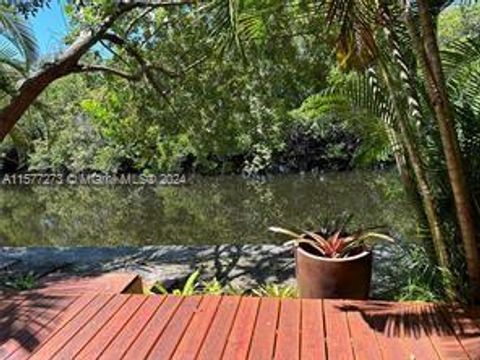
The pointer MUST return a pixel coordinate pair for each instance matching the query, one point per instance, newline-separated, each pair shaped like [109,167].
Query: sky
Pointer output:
[50,25]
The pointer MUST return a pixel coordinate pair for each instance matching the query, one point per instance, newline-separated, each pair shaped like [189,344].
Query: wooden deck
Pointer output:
[91,325]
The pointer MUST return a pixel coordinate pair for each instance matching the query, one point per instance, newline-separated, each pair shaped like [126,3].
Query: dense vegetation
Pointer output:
[253,86]
[216,114]
[219,114]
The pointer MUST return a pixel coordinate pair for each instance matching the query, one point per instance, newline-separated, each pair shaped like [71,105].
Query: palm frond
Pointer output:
[20,35]
[459,54]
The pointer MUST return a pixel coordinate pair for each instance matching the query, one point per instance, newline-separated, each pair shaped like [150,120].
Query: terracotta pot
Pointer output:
[320,277]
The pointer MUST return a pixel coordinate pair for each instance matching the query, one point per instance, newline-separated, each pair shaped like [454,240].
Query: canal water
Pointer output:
[205,210]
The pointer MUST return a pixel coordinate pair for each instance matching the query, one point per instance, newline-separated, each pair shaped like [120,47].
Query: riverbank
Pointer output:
[243,266]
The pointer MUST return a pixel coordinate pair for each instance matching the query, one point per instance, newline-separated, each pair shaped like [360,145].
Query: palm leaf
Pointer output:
[19,34]
[280,230]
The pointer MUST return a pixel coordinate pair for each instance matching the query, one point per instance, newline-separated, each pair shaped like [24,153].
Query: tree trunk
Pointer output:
[426,196]
[439,98]
[414,115]
[65,64]
[35,84]
[27,94]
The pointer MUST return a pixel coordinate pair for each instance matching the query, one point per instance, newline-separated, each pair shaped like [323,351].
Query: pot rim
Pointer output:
[326,259]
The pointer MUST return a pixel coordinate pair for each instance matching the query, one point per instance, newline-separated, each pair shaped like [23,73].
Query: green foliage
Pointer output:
[189,288]
[22,282]
[19,37]
[193,286]
[458,23]
[18,50]
[415,276]
[216,113]
[276,290]
[201,107]
[60,136]
[350,105]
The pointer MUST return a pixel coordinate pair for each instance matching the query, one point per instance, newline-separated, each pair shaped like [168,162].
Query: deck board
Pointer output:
[387,324]
[217,336]
[443,338]
[109,283]
[339,345]
[167,342]
[94,325]
[288,331]
[124,340]
[364,340]
[30,335]
[313,330]
[102,339]
[238,343]
[465,329]
[417,342]
[113,326]
[153,329]
[69,329]
[264,333]
[190,344]
[64,317]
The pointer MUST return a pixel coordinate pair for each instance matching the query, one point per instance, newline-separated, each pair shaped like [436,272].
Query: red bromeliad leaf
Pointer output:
[335,245]
[314,244]
[318,238]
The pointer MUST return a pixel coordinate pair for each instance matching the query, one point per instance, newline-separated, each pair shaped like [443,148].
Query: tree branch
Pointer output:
[87,68]
[135,53]
[68,61]
[137,19]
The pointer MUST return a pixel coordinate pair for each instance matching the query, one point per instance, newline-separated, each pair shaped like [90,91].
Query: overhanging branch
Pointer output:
[135,53]
[68,62]
[87,68]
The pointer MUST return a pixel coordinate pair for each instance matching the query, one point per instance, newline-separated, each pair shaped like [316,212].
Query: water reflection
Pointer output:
[216,210]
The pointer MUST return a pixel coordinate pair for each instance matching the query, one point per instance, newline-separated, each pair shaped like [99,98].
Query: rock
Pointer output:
[243,266]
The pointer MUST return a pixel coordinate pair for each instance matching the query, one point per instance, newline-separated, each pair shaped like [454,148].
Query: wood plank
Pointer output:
[241,335]
[102,339]
[68,331]
[16,313]
[211,327]
[147,338]
[417,342]
[29,336]
[124,340]
[441,334]
[465,329]
[56,325]
[263,341]
[474,313]
[197,330]
[337,333]
[288,334]
[386,321]
[216,339]
[168,340]
[109,283]
[9,304]
[94,325]
[364,340]
[312,345]
[10,314]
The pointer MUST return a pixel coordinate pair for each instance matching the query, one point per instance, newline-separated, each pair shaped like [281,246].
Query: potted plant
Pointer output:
[332,262]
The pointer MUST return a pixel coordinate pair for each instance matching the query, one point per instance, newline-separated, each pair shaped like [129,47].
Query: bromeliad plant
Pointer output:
[336,242]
